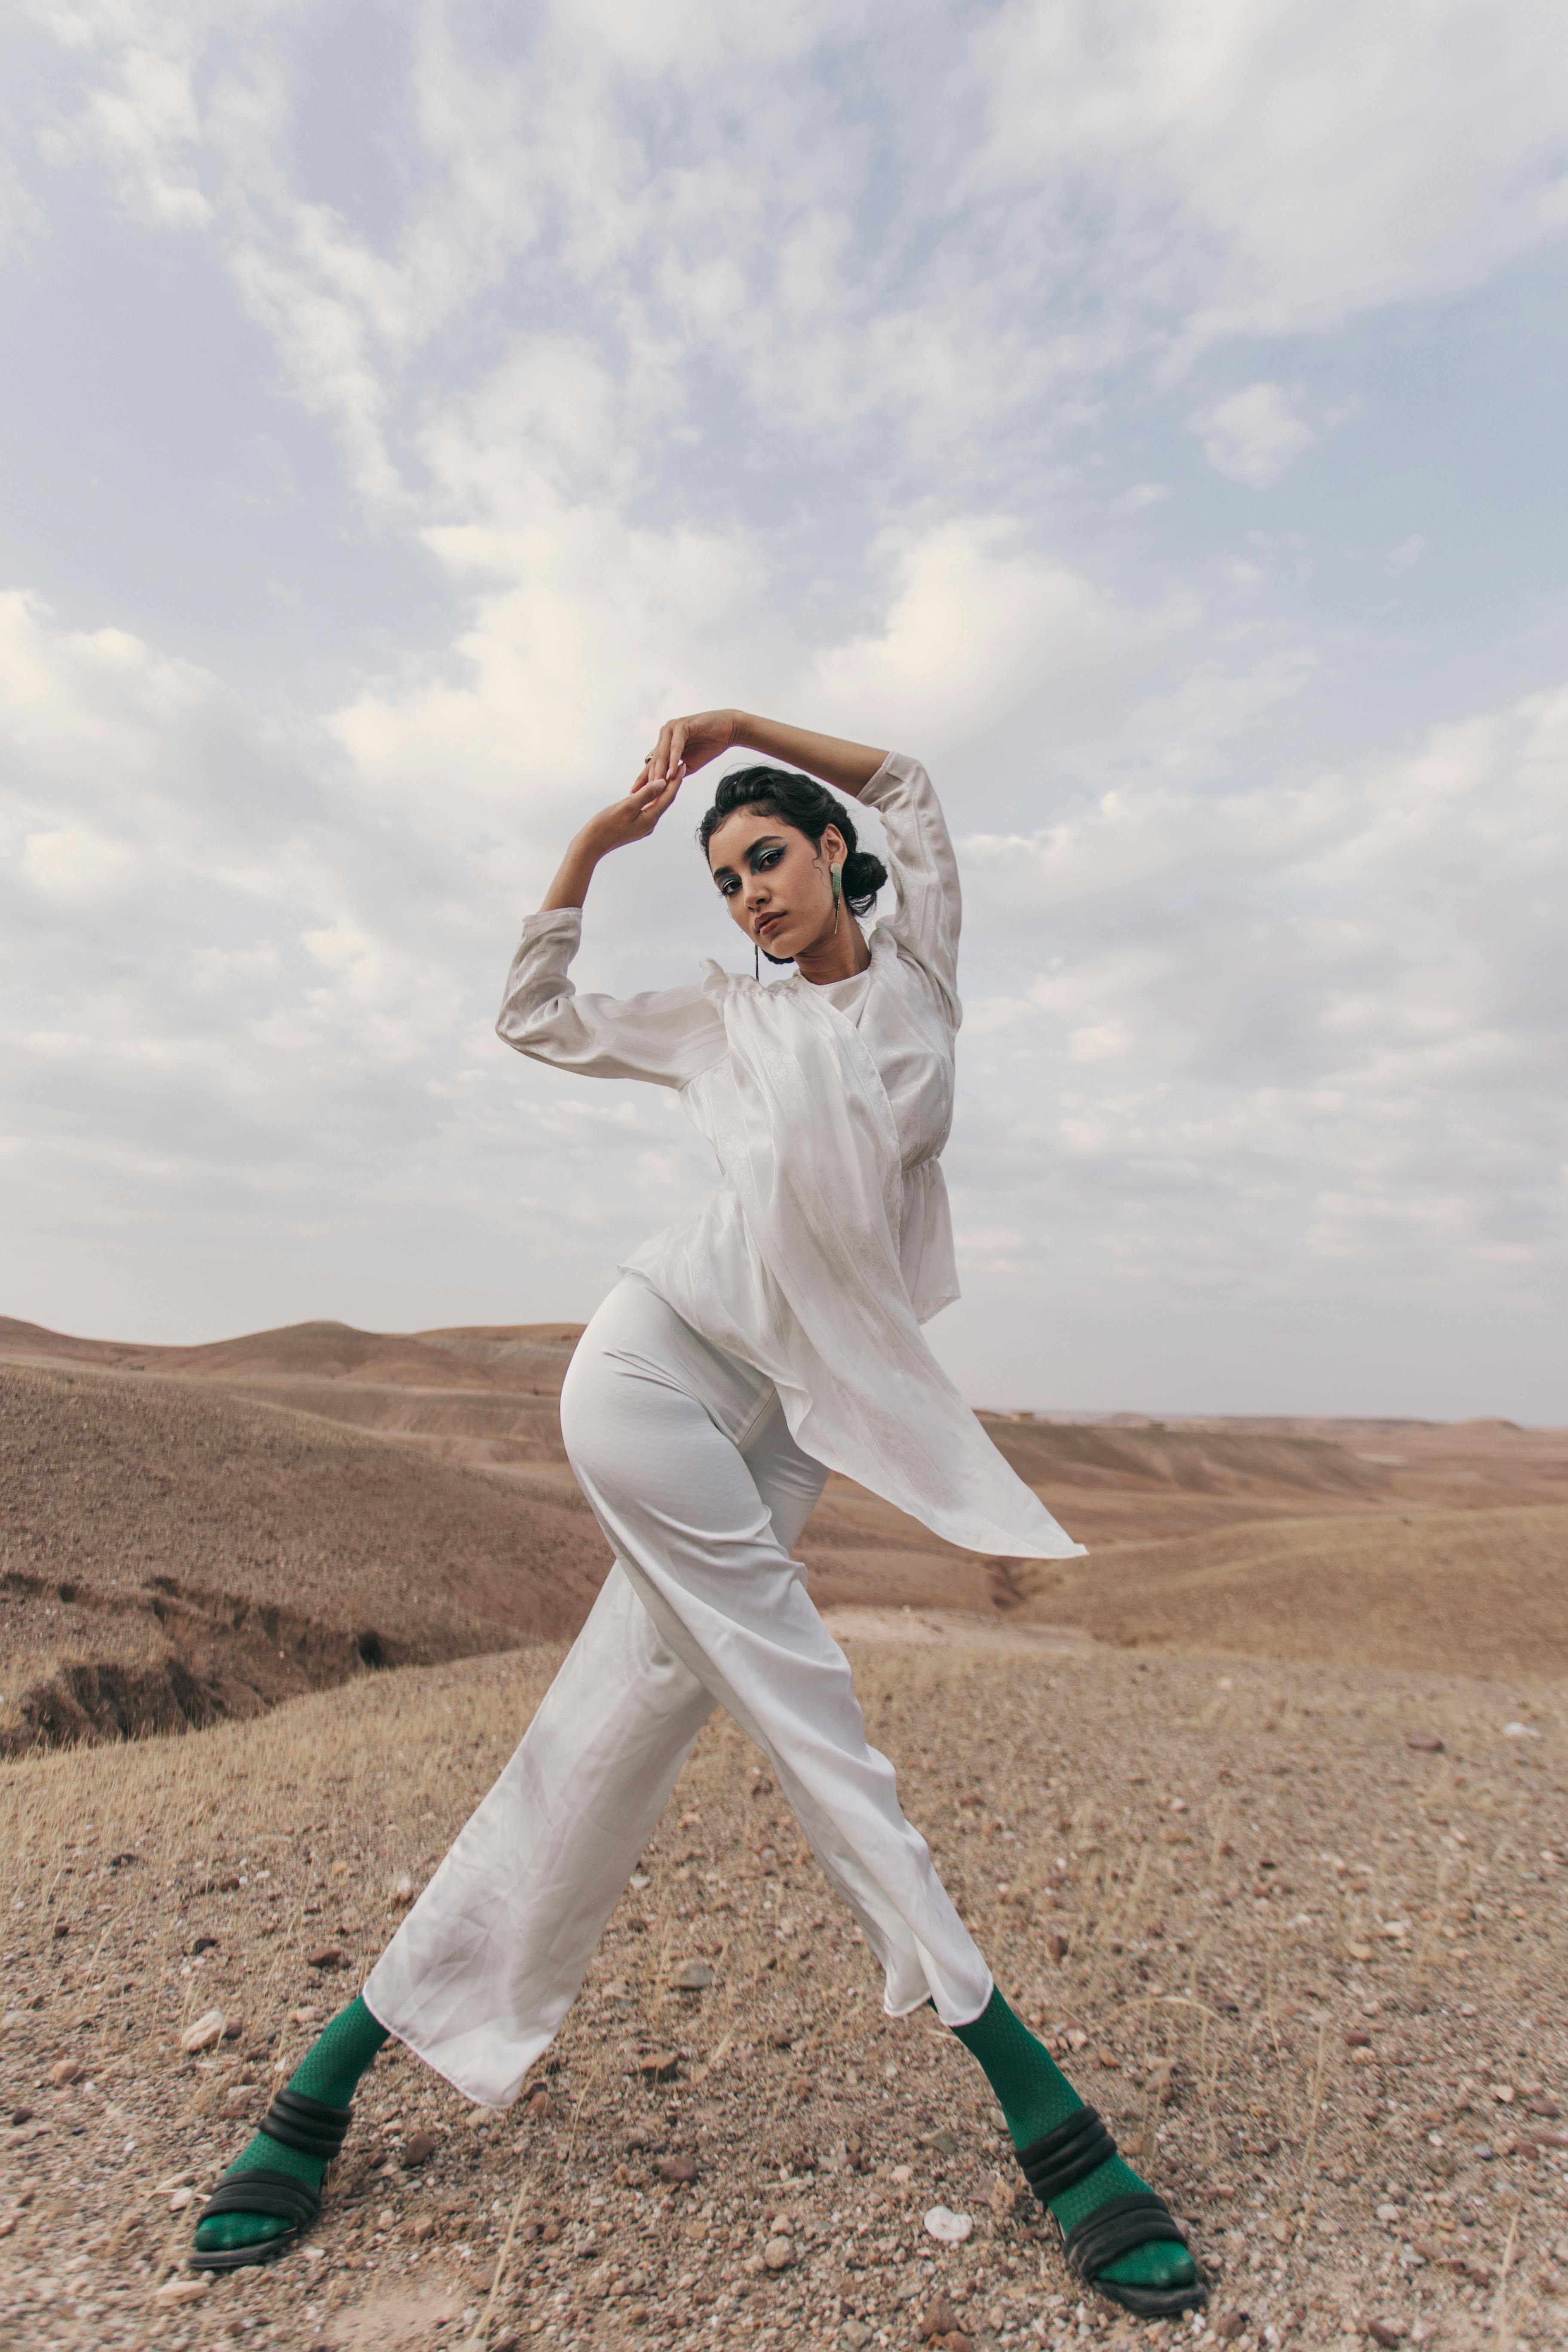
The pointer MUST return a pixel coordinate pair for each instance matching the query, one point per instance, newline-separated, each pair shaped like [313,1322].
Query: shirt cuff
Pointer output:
[560,922]
[894,771]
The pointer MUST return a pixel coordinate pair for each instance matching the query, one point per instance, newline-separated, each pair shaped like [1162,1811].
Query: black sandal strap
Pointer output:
[1114,2228]
[277,2196]
[299,2121]
[1067,2154]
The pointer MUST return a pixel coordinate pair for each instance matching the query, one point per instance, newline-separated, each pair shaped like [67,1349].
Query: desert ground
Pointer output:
[1259,1813]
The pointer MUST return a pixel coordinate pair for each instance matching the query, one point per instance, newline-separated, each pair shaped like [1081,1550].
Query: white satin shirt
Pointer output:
[829,1241]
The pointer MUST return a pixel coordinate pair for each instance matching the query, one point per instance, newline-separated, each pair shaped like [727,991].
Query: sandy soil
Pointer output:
[1313,1972]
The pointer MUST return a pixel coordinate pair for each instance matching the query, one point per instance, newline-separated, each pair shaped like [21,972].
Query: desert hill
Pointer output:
[531,1357]
[195,1531]
[173,1553]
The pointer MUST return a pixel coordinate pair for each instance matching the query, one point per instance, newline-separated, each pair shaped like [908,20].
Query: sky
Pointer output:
[1147,413]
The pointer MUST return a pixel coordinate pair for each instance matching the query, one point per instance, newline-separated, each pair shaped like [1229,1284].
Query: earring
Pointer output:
[836,875]
[756,959]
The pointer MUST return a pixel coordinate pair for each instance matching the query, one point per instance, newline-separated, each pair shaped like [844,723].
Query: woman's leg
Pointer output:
[828,1790]
[485,1966]
[480,1973]
[675,1491]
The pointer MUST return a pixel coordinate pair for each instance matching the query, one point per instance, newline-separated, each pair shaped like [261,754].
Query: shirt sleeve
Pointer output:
[927,904]
[665,1036]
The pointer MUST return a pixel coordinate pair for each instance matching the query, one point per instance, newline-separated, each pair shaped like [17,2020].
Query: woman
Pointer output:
[768,1338]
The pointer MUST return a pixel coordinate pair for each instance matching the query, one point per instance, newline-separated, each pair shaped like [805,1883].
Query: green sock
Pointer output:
[330,2071]
[1035,2096]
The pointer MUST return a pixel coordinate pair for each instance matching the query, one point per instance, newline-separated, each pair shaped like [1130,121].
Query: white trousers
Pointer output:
[685,1456]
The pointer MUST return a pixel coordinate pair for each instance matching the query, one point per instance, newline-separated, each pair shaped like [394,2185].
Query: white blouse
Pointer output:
[829,1241]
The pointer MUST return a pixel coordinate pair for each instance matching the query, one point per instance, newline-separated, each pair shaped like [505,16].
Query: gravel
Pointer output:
[1314,1977]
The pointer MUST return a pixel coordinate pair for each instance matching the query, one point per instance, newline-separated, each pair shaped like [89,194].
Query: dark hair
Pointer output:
[810,808]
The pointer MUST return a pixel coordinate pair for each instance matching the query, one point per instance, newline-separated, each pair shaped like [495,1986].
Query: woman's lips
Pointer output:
[766,923]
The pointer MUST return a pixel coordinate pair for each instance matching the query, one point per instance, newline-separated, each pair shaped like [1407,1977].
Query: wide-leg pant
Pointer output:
[685,1458]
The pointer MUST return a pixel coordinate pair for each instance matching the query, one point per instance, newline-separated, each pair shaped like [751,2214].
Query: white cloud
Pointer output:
[694,353]
[1321,1008]
[1264,166]
[1255,434]
[837,251]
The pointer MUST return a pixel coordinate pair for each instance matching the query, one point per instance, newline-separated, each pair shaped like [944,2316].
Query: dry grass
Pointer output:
[1246,1862]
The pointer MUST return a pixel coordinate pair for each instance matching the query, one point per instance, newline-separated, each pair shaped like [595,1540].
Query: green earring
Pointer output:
[836,875]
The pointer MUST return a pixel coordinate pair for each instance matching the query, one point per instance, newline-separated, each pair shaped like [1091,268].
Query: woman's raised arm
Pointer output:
[686,744]
[632,819]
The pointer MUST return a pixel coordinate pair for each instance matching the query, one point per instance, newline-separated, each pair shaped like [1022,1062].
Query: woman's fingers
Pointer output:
[658,761]
[647,801]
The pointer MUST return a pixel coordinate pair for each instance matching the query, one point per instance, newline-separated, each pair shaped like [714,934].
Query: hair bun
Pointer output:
[864,875]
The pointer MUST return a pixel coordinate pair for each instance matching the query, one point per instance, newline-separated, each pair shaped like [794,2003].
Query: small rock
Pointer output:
[661,2067]
[423,2226]
[20,2115]
[402,1890]
[204,2031]
[939,2318]
[1057,1947]
[233,2029]
[418,2151]
[1426,1741]
[181,2199]
[539,2105]
[308,2014]
[1387,2331]
[948,2229]
[857,2334]
[203,1944]
[778,2253]
[780,2037]
[182,2290]
[67,2070]
[944,2142]
[330,1956]
[639,2137]
[1231,2326]
[676,2169]
[63,1929]
[695,1977]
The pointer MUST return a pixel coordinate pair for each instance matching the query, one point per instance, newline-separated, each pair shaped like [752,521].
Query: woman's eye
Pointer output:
[767,857]
[728,887]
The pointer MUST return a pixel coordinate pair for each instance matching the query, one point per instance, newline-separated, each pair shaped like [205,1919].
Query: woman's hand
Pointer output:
[689,743]
[696,740]
[632,819]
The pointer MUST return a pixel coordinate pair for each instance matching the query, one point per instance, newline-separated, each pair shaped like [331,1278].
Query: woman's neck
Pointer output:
[838,955]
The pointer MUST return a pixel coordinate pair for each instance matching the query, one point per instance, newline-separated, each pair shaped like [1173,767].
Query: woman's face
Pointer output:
[776,879]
